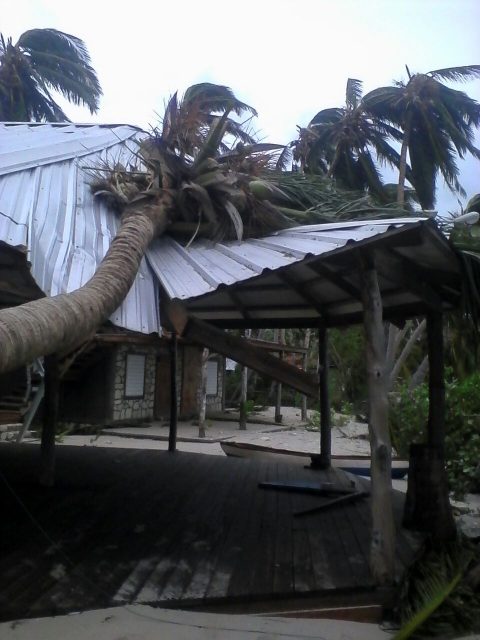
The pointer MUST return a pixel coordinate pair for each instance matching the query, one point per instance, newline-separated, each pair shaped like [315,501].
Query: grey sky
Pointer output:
[287,58]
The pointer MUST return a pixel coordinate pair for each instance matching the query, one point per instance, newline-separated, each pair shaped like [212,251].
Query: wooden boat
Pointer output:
[359,465]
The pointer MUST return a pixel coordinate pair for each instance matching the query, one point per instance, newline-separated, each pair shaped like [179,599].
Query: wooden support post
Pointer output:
[279,337]
[244,392]
[306,345]
[427,505]
[243,399]
[202,394]
[172,434]
[382,551]
[325,426]
[50,420]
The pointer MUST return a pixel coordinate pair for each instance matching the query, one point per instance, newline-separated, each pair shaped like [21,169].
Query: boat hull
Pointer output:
[359,465]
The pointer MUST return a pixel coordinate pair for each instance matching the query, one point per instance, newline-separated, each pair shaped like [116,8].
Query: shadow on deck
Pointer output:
[176,530]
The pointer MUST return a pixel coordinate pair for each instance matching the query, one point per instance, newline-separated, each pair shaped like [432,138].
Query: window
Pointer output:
[212,378]
[135,376]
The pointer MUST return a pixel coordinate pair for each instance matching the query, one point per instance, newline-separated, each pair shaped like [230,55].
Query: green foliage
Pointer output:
[408,420]
[41,61]
[249,407]
[438,595]
[347,369]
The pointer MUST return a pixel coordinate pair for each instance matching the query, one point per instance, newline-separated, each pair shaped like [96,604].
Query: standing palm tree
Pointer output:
[339,142]
[437,123]
[41,61]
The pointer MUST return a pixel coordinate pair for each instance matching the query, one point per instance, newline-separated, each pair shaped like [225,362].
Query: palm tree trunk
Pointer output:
[382,550]
[402,169]
[58,324]
[306,344]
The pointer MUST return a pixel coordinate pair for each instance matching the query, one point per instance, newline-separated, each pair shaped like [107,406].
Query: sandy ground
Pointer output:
[141,622]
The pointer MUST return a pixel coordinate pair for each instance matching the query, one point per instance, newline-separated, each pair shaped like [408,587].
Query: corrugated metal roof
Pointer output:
[46,205]
[205,266]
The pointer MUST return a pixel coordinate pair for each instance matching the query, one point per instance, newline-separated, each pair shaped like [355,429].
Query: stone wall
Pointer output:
[128,409]
[214,402]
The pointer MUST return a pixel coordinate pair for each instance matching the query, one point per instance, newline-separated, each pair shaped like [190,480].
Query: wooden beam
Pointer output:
[335,278]
[276,346]
[302,289]
[50,420]
[235,298]
[382,550]
[172,434]
[241,351]
[397,272]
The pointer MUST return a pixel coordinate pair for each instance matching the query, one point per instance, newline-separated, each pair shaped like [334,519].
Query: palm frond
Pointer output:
[353,93]
[473,204]
[457,74]
[215,98]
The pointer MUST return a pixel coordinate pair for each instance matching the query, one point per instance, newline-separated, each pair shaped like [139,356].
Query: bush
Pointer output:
[408,421]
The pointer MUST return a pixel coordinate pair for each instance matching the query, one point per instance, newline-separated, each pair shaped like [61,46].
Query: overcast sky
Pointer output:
[287,58]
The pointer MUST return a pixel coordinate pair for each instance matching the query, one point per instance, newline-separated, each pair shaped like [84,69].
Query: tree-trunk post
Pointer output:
[202,394]
[427,506]
[324,398]
[382,551]
[172,434]
[306,345]
[50,420]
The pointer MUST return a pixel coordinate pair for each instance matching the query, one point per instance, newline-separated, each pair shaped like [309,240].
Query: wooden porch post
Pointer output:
[279,337]
[50,420]
[172,434]
[382,551]
[306,344]
[325,426]
[202,394]
[427,506]
[242,425]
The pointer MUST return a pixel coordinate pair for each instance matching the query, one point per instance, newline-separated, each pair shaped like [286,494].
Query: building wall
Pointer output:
[124,408]
[87,399]
[99,395]
[214,401]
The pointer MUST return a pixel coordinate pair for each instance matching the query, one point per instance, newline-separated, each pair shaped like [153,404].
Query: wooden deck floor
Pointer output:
[187,530]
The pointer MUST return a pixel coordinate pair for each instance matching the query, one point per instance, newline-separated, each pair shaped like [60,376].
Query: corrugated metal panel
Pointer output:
[203,267]
[46,205]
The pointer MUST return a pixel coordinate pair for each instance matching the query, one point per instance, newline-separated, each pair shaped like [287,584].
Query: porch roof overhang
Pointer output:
[307,276]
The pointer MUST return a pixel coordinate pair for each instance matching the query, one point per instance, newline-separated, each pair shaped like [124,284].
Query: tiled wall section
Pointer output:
[133,408]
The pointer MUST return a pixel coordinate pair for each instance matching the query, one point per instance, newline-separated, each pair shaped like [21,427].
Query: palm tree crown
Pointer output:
[339,142]
[438,123]
[45,60]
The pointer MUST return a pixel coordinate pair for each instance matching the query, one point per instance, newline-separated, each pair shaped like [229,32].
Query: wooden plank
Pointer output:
[203,536]
[230,552]
[255,358]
